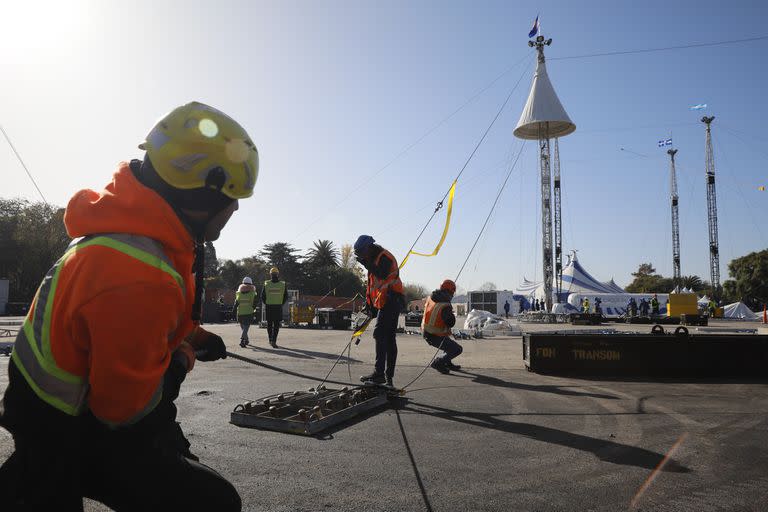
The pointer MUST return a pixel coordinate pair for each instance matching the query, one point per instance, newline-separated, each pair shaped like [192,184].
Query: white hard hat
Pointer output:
[247,280]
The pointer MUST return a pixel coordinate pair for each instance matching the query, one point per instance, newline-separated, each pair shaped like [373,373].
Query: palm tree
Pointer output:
[324,254]
[691,282]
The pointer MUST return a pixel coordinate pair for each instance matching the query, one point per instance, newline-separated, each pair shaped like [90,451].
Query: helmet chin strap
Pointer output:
[198,267]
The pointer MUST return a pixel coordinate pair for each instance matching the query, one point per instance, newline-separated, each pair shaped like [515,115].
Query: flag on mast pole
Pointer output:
[535,29]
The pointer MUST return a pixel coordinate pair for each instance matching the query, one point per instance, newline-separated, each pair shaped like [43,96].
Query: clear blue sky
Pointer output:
[333,91]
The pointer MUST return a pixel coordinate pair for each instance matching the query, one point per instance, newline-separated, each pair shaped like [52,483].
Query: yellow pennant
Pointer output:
[451,193]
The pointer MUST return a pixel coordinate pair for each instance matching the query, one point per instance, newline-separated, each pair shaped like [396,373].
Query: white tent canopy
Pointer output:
[740,311]
[543,110]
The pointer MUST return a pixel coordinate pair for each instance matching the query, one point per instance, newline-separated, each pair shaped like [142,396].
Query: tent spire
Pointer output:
[544,117]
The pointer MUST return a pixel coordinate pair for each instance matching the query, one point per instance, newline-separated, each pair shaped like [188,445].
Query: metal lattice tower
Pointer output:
[546,213]
[558,223]
[542,119]
[714,250]
[675,218]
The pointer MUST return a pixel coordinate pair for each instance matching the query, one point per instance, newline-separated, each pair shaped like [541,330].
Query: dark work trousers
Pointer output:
[245,324]
[384,334]
[59,459]
[274,317]
[449,347]
[47,474]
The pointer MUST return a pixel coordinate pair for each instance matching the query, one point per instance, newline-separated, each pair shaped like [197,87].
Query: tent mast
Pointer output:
[543,118]
[675,219]
[558,224]
[714,251]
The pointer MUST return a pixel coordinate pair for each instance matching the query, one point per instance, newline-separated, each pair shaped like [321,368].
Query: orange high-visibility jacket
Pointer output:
[432,322]
[106,319]
[378,289]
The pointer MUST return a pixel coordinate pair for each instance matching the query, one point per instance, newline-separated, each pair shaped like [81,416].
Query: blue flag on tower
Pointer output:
[665,142]
[535,29]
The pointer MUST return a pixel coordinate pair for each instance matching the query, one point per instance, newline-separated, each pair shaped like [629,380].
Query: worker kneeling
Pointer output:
[114,330]
[436,326]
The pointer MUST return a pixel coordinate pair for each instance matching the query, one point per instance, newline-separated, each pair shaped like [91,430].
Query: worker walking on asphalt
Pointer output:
[585,304]
[654,305]
[506,308]
[643,307]
[273,295]
[384,300]
[436,326]
[114,329]
[712,307]
[245,298]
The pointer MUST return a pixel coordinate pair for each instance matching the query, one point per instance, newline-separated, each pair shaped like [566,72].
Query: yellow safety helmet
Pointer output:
[274,270]
[194,139]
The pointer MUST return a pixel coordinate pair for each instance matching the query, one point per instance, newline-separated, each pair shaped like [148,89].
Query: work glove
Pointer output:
[208,346]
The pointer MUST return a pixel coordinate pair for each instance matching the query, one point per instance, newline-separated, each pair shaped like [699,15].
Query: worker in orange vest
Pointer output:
[384,300]
[436,326]
[114,329]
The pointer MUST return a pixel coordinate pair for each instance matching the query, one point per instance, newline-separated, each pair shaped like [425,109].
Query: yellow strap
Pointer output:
[359,332]
[451,193]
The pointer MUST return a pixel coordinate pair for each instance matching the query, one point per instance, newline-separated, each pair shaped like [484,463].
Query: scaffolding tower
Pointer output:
[714,250]
[543,118]
[558,223]
[675,219]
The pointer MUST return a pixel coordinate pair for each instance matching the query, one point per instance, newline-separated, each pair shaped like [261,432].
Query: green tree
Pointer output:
[648,281]
[283,256]
[211,262]
[749,280]
[694,283]
[414,291]
[323,254]
[32,238]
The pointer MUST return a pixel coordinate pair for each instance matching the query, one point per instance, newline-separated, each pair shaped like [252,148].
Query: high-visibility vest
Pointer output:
[245,302]
[432,321]
[378,289]
[32,353]
[275,292]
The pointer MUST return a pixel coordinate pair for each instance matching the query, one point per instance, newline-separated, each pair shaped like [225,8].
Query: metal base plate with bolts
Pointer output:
[308,412]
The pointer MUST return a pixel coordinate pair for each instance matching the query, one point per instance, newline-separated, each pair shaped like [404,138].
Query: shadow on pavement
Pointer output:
[608,451]
[416,473]
[557,390]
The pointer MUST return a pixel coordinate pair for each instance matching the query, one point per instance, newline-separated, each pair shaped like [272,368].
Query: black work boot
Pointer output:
[451,366]
[389,382]
[440,366]
[374,378]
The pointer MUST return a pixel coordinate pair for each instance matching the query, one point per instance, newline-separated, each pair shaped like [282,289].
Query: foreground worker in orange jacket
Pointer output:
[384,300]
[113,331]
[436,326]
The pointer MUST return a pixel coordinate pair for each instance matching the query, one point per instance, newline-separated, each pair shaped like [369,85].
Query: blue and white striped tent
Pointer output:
[577,284]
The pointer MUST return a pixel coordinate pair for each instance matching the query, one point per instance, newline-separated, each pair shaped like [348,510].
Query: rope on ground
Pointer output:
[283,370]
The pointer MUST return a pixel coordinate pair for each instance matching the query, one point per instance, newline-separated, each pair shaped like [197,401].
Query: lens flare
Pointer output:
[208,128]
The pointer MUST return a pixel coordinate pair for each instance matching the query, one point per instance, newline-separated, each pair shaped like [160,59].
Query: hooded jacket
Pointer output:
[447,313]
[115,320]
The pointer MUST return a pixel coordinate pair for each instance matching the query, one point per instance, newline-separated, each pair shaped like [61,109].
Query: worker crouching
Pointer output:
[114,330]
[436,326]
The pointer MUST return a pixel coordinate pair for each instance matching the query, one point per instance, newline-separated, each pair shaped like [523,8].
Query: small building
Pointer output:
[493,301]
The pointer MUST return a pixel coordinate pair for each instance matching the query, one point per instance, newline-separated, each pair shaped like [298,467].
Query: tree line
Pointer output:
[33,237]
[748,281]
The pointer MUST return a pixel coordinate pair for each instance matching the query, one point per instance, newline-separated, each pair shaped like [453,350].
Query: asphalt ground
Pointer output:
[489,437]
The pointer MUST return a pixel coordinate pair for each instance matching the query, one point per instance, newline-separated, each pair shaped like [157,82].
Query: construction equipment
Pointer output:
[675,218]
[714,250]
[308,412]
[544,117]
